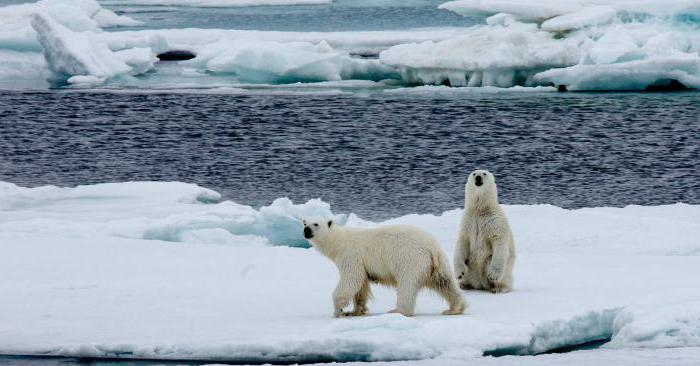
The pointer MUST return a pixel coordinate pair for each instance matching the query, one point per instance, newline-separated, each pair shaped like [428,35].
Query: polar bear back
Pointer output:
[389,252]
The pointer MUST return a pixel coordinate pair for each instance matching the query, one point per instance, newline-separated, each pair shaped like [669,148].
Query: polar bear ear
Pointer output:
[330,222]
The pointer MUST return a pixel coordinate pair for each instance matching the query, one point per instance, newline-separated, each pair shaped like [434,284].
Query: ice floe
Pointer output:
[603,45]
[275,62]
[172,271]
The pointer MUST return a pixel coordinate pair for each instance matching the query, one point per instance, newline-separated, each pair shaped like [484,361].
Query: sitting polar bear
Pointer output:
[485,251]
[399,256]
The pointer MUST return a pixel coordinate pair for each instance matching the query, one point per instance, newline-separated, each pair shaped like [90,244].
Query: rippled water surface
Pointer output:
[340,15]
[377,155]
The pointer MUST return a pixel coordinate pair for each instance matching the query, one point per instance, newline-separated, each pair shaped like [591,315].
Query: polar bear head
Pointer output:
[316,230]
[481,188]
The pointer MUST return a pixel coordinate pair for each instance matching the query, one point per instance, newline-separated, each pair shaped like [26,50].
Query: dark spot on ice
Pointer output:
[562,88]
[176,55]
[517,351]
[366,54]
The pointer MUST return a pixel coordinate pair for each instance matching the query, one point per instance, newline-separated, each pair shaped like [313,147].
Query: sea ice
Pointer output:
[170,271]
[79,58]
[274,62]
[600,45]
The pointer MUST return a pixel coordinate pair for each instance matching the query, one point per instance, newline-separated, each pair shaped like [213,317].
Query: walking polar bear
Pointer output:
[485,251]
[400,256]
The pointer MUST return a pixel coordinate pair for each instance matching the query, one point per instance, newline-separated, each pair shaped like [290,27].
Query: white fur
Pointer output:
[404,257]
[485,250]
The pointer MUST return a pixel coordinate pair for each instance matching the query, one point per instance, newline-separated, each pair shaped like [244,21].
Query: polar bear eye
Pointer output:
[316,225]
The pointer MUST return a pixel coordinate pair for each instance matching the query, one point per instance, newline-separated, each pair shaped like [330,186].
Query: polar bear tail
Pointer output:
[435,256]
[443,282]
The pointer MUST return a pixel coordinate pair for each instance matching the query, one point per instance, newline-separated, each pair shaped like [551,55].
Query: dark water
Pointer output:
[341,15]
[379,156]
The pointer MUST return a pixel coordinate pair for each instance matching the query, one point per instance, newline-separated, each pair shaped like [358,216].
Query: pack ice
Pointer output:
[583,45]
[169,270]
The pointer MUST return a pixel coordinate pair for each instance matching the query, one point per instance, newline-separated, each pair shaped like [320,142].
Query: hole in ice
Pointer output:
[176,55]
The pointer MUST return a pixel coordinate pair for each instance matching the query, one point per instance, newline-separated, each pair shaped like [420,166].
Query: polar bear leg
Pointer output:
[360,300]
[447,288]
[407,292]
[497,272]
[504,286]
[349,285]
[461,269]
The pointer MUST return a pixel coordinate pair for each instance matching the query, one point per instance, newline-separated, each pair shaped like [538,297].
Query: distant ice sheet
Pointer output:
[579,45]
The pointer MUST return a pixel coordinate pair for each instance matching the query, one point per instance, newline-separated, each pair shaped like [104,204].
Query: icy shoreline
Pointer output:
[167,271]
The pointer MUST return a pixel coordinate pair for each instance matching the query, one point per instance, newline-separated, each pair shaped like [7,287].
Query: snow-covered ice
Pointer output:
[543,43]
[583,45]
[268,62]
[172,271]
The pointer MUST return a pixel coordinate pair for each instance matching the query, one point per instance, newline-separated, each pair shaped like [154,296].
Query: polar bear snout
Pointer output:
[478,181]
[308,234]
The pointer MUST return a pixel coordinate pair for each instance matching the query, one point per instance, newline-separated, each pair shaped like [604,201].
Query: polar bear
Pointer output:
[485,251]
[400,256]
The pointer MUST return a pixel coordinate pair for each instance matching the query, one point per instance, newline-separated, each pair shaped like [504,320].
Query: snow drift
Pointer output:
[147,262]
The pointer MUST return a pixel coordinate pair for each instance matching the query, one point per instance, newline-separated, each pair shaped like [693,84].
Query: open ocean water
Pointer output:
[378,155]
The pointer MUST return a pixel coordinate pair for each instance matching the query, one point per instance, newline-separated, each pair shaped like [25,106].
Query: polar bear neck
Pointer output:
[481,202]
[331,244]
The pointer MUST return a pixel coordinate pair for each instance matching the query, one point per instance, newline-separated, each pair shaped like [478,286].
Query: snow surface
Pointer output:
[170,271]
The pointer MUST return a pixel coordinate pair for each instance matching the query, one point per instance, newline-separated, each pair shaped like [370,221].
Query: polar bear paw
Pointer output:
[358,312]
[498,289]
[459,310]
[402,312]
[494,274]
